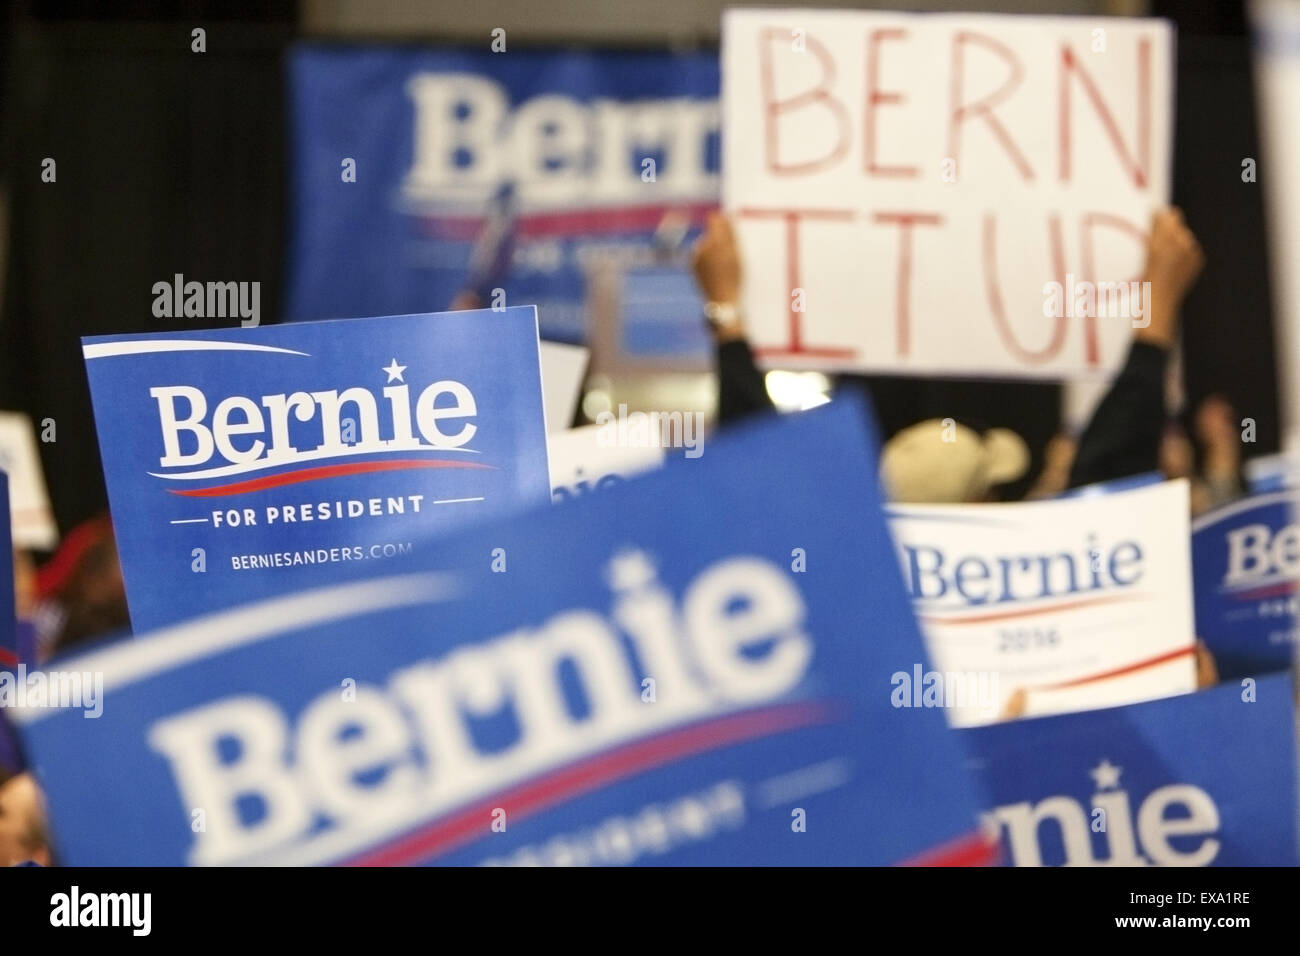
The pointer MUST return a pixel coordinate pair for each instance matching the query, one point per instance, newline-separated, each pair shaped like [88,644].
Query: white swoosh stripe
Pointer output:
[1244,504]
[107,349]
[134,659]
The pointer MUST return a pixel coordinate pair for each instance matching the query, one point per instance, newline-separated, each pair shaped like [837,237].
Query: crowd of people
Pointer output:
[74,598]
[1129,433]
[77,596]
[947,462]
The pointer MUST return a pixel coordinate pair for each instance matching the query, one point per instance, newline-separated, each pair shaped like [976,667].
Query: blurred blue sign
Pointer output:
[1201,779]
[423,174]
[685,669]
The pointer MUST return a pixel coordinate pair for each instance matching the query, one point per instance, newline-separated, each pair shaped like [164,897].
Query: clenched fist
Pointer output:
[716,261]
[1174,260]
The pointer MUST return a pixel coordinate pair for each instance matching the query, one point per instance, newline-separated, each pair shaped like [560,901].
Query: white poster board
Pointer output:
[563,369]
[583,461]
[906,186]
[1080,603]
[29,503]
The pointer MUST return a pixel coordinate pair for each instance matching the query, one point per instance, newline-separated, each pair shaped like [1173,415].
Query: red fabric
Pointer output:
[54,574]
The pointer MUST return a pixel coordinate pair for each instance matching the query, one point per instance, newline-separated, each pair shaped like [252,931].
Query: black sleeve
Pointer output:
[1123,437]
[741,389]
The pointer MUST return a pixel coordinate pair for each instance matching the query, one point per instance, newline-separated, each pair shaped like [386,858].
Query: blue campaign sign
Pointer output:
[1200,779]
[422,174]
[660,316]
[1126,483]
[245,463]
[1271,473]
[704,681]
[1245,564]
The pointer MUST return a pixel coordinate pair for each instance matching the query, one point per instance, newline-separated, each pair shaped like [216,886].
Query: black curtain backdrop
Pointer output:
[1228,319]
[168,161]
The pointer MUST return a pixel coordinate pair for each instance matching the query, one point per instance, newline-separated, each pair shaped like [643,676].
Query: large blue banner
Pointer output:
[422,174]
[1201,779]
[1246,561]
[702,682]
[245,463]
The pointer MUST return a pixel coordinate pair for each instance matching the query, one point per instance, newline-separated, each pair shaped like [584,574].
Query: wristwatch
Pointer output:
[721,315]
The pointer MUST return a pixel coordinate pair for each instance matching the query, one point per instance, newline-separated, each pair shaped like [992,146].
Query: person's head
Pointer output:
[23,832]
[85,579]
[941,462]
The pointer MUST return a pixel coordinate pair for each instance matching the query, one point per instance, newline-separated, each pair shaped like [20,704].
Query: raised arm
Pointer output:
[1123,437]
[716,263]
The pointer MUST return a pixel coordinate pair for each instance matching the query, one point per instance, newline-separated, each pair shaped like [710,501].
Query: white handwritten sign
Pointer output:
[905,187]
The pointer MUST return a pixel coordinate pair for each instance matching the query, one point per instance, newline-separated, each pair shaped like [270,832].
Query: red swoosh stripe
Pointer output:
[971,850]
[8,658]
[315,474]
[1271,590]
[1030,612]
[1127,669]
[611,219]
[448,833]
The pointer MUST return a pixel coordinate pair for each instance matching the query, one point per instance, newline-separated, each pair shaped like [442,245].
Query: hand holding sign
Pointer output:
[716,261]
[959,165]
[1174,260]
